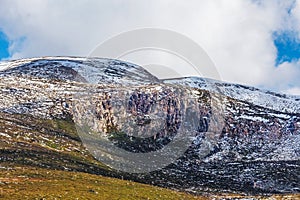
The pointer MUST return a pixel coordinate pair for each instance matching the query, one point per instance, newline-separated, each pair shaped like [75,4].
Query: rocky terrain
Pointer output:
[239,139]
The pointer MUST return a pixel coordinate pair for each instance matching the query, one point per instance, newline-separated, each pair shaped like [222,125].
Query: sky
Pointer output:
[4,44]
[252,42]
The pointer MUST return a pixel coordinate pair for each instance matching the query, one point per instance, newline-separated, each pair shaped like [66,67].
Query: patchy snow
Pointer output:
[45,88]
[5,135]
[267,99]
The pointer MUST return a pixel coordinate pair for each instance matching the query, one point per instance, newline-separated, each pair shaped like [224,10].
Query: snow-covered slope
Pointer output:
[259,135]
[90,70]
[41,86]
[264,98]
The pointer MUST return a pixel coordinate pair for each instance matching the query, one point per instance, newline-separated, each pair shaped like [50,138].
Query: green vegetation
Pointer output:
[35,183]
[45,159]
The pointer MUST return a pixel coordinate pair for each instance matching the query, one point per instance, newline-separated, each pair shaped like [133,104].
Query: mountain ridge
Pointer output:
[257,138]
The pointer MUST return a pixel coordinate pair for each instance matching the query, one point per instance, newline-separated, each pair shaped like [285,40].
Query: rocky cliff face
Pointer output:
[256,134]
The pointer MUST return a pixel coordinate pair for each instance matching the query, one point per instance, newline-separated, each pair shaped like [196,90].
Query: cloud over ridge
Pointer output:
[237,35]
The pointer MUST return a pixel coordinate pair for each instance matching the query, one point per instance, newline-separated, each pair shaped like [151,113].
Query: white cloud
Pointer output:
[296,17]
[285,77]
[236,34]
[293,91]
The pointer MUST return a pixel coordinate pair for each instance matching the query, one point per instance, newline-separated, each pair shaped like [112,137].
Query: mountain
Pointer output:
[235,138]
[263,98]
[91,70]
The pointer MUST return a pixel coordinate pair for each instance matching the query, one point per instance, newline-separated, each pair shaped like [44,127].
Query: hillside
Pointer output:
[237,139]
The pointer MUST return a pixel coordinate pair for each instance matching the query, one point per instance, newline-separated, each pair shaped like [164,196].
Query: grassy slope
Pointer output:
[42,175]
[36,183]
[31,183]
[44,148]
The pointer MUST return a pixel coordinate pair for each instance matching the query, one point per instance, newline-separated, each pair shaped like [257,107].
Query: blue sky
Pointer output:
[252,42]
[288,47]
[4,45]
